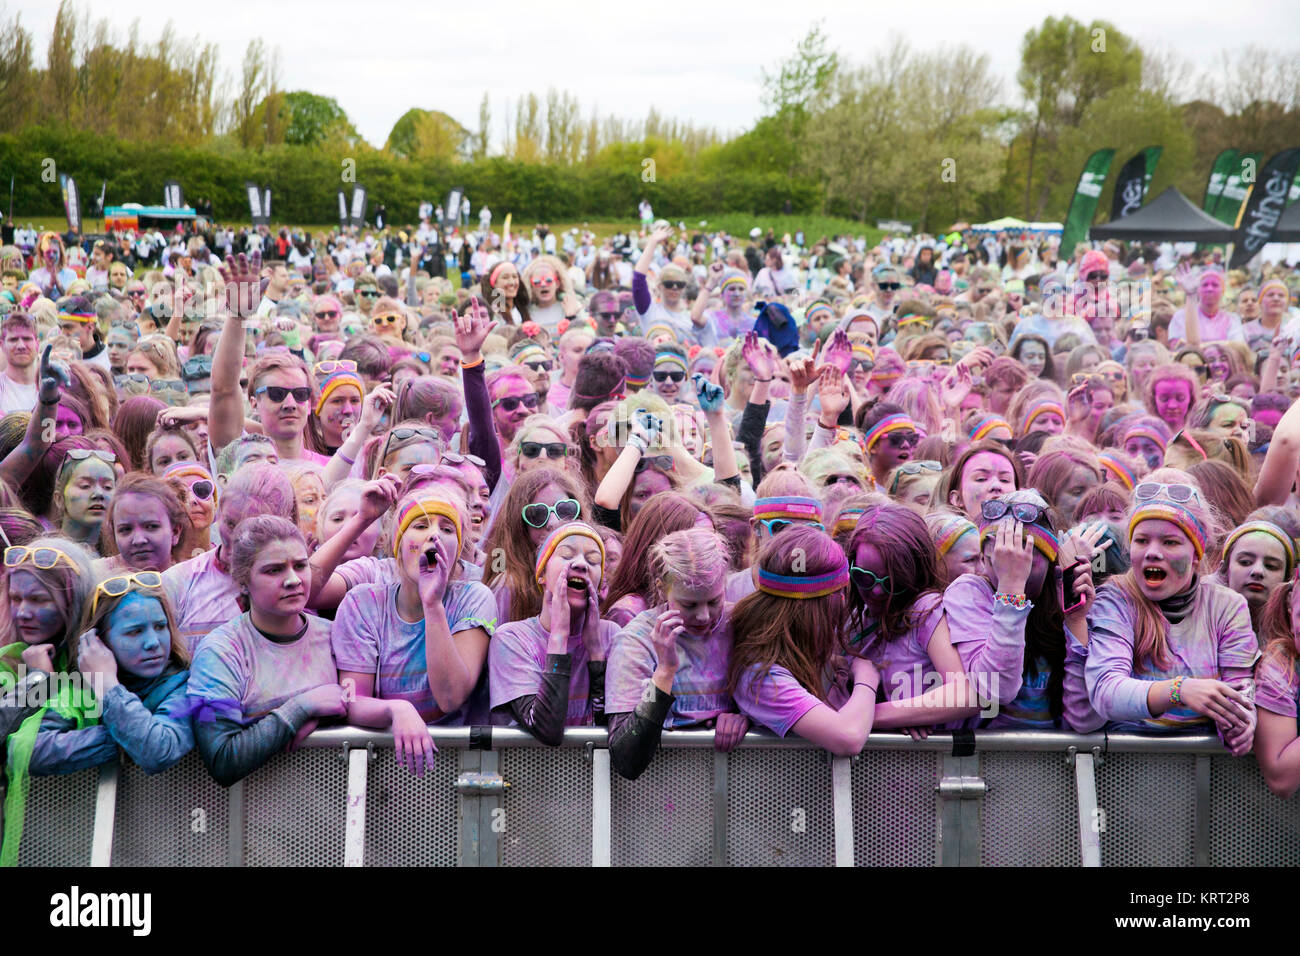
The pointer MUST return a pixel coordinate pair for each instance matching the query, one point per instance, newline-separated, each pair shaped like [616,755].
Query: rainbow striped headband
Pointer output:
[913,319]
[339,380]
[951,531]
[1042,408]
[1268,528]
[1165,510]
[814,309]
[789,507]
[553,541]
[669,358]
[1044,540]
[636,381]
[426,508]
[801,587]
[661,328]
[980,430]
[734,280]
[525,354]
[890,423]
[82,317]
[864,352]
[1118,469]
[1142,431]
[847,519]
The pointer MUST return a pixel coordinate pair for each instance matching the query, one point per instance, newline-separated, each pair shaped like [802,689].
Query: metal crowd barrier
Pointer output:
[1008,798]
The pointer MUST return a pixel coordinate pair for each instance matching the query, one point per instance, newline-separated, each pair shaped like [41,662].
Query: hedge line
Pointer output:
[305,182]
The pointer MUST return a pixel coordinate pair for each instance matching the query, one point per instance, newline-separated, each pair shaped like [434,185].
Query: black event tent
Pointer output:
[1288,227]
[1170,217]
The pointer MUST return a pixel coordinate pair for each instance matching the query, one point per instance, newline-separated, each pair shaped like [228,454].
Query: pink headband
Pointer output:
[890,423]
[988,423]
[1042,408]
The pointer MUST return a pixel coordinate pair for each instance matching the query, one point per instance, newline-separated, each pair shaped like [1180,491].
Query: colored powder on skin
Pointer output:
[1181,566]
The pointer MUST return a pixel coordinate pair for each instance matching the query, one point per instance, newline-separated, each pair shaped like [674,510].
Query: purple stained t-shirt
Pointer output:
[1214,641]
[700,685]
[370,637]
[1277,685]
[238,666]
[778,701]
[904,663]
[203,596]
[517,660]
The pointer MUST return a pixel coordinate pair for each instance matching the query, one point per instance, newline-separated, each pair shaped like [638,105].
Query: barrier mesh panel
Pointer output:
[548,807]
[295,810]
[1248,825]
[176,818]
[895,808]
[664,817]
[59,825]
[410,820]
[1149,802]
[780,808]
[1030,812]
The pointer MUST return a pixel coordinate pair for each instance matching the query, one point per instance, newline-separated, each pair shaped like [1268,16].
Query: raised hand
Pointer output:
[759,356]
[710,396]
[1189,279]
[243,283]
[834,395]
[378,496]
[1013,557]
[53,375]
[472,329]
[839,352]
[373,408]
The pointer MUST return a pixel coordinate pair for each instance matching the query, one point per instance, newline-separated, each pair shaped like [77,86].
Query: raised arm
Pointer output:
[19,464]
[472,329]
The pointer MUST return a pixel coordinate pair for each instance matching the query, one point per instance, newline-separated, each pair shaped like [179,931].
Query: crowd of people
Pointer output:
[991,483]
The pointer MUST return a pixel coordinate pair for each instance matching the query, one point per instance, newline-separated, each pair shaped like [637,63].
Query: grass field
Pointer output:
[734,223]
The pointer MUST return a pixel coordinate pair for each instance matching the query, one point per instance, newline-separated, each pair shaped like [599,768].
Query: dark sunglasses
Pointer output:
[203,489]
[555,450]
[609,316]
[842,479]
[903,439]
[198,367]
[661,462]
[328,314]
[278,393]
[673,284]
[405,434]
[538,513]
[889,286]
[539,366]
[1138,333]
[1023,511]
[368,293]
[168,385]
[673,376]
[511,402]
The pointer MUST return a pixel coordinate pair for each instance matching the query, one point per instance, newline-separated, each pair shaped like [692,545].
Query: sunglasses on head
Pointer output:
[127,377]
[673,284]
[1023,511]
[451,458]
[278,393]
[168,385]
[913,468]
[119,584]
[538,513]
[43,558]
[405,434]
[867,580]
[339,365]
[775,526]
[1147,490]
[670,376]
[663,463]
[81,454]
[511,402]
[198,367]
[555,450]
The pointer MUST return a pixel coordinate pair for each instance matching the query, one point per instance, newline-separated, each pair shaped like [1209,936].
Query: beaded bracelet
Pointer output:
[1175,692]
[1018,601]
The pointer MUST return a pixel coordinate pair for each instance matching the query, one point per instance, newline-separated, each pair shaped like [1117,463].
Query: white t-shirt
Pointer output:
[15,397]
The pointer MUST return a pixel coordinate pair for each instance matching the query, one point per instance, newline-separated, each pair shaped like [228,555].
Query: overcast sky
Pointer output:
[691,60]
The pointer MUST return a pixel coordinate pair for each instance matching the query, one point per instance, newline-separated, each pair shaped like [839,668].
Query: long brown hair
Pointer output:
[806,637]
[663,514]
[1275,635]
[510,552]
[179,656]
[905,547]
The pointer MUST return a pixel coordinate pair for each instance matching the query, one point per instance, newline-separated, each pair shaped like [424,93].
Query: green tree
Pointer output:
[1064,67]
[790,92]
[427,135]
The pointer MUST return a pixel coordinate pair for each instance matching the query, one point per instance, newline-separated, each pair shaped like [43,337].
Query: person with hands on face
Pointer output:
[1008,625]
[1170,651]
[420,642]
[263,680]
[128,654]
[548,672]
[373,408]
[788,671]
[668,666]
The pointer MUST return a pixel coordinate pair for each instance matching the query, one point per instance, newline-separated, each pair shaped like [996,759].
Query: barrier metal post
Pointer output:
[1085,779]
[354,840]
[101,846]
[719,815]
[235,836]
[1203,765]
[960,790]
[600,808]
[842,793]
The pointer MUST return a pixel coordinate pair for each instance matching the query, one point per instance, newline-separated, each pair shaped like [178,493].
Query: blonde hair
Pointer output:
[695,558]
